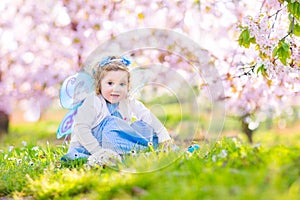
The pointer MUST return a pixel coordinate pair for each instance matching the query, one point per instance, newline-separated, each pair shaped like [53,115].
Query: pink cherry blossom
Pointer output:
[43,42]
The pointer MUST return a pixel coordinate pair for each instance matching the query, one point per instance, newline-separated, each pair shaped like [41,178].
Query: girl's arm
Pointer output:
[84,120]
[144,114]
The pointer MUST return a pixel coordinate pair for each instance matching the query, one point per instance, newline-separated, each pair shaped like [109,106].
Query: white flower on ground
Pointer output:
[243,154]
[223,153]
[236,142]
[133,153]
[19,161]
[214,158]
[10,148]
[24,143]
[36,148]
[257,145]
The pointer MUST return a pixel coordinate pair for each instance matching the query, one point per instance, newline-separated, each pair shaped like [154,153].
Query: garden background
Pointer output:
[247,128]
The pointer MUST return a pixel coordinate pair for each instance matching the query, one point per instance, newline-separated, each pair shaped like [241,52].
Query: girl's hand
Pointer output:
[104,157]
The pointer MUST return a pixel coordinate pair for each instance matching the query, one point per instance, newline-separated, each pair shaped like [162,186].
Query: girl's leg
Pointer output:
[116,134]
[76,150]
[146,130]
[121,137]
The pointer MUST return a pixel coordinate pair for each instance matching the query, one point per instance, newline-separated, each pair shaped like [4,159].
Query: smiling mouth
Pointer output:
[114,95]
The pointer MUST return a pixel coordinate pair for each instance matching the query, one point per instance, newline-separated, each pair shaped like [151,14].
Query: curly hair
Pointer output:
[100,72]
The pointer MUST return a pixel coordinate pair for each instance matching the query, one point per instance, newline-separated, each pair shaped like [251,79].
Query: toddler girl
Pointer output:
[103,124]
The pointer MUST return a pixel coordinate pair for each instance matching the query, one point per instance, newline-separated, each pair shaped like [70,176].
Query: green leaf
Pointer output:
[284,45]
[297,29]
[294,9]
[262,70]
[282,51]
[253,40]
[281,56]
[245,39]
[274,53]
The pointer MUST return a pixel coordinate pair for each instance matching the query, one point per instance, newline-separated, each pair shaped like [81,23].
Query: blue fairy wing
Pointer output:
[65,127]
[75,88]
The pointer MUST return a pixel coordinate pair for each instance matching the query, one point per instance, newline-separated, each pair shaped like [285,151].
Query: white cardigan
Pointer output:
[94,110]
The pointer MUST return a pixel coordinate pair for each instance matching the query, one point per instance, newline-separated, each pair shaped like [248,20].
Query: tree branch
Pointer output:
[292,29]
[246,73]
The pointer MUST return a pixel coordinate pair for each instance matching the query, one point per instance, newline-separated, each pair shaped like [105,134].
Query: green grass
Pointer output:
[36,133]
[229,168]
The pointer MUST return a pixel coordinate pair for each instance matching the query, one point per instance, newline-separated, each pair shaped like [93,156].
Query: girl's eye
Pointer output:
[110,83]
[123,84]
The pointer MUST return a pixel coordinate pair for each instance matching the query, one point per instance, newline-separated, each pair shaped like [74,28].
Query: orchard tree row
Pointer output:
[253,44]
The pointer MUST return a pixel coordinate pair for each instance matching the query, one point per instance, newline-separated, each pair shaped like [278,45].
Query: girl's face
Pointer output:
[114,86]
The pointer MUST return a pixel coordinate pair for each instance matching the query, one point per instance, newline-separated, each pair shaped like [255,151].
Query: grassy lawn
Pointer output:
[228,168]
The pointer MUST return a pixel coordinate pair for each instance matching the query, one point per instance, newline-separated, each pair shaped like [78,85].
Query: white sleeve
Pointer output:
[144,114]
[83,122]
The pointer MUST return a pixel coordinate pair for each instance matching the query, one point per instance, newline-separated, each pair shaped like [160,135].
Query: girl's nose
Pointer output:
[116,88]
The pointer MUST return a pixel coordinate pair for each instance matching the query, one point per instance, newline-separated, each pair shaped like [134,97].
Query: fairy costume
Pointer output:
[98,124]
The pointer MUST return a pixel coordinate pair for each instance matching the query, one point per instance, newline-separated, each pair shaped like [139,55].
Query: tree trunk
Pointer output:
[4,121]
[246,130]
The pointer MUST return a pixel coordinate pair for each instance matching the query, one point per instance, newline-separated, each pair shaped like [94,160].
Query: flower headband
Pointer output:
[108,60]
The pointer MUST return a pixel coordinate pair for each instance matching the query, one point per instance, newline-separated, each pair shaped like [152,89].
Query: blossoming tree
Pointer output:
[41,43]
[271,62]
